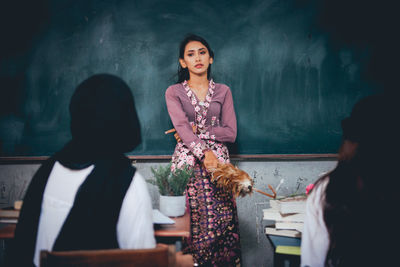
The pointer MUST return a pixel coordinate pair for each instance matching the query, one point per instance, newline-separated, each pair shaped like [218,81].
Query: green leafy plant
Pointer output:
[171,183]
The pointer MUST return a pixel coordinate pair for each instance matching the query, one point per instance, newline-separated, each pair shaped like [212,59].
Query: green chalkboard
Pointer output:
[291,84]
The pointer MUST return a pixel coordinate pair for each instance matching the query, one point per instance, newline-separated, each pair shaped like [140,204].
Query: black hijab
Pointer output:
[103,121]
[104,125]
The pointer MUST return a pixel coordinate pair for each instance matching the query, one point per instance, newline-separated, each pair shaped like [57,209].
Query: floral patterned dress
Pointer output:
[214,237]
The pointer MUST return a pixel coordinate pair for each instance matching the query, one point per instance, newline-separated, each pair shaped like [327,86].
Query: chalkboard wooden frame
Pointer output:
[139,158]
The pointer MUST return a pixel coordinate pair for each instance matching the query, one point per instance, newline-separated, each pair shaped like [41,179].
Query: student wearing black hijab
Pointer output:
[88,195]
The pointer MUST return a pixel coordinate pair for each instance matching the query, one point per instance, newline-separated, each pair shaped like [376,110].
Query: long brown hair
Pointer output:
[183,73]
[364,185]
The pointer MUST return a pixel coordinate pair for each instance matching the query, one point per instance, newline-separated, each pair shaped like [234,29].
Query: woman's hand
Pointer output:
[210,161]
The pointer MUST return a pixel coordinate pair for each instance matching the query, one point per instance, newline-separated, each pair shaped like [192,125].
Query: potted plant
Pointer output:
[171,186]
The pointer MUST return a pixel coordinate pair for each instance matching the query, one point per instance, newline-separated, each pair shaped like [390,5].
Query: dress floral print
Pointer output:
[184,155]
[214,237]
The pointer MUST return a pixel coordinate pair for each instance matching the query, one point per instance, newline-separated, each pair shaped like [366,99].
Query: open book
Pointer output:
[159,218]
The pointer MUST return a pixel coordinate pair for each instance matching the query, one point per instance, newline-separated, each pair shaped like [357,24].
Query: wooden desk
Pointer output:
[7,230]
[176,231]
[170,233]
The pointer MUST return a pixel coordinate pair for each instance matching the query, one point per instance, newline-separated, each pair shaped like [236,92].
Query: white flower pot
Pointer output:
[172,206]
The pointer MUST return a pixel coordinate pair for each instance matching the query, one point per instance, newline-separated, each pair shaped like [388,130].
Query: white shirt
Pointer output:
[135,222]
[315,237]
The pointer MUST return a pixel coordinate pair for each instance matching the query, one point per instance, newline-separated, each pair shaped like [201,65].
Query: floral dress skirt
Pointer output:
[214,239]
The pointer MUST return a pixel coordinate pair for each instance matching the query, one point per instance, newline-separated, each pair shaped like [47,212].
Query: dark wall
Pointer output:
[291,82]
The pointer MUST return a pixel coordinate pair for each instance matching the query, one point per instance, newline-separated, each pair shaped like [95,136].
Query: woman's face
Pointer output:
[196,58]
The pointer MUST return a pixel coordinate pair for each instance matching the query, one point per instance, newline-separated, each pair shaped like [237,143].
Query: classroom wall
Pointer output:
[39,35]
[256,249]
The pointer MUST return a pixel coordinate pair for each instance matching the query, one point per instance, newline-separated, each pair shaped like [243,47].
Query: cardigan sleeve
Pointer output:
[182,125]
[227,129]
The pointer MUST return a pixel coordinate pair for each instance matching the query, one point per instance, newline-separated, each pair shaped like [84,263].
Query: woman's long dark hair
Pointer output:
[360,195]
[183,73]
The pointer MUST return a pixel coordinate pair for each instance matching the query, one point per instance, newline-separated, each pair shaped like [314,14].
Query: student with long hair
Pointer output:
[203,115]
[350,214]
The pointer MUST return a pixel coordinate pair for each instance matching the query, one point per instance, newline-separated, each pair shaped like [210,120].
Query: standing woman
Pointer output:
[203,115]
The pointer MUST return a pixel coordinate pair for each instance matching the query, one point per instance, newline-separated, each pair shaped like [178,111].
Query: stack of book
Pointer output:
[286,216]
[11,214]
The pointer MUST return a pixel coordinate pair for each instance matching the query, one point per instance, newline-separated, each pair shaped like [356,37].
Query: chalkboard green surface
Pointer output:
[291,84]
